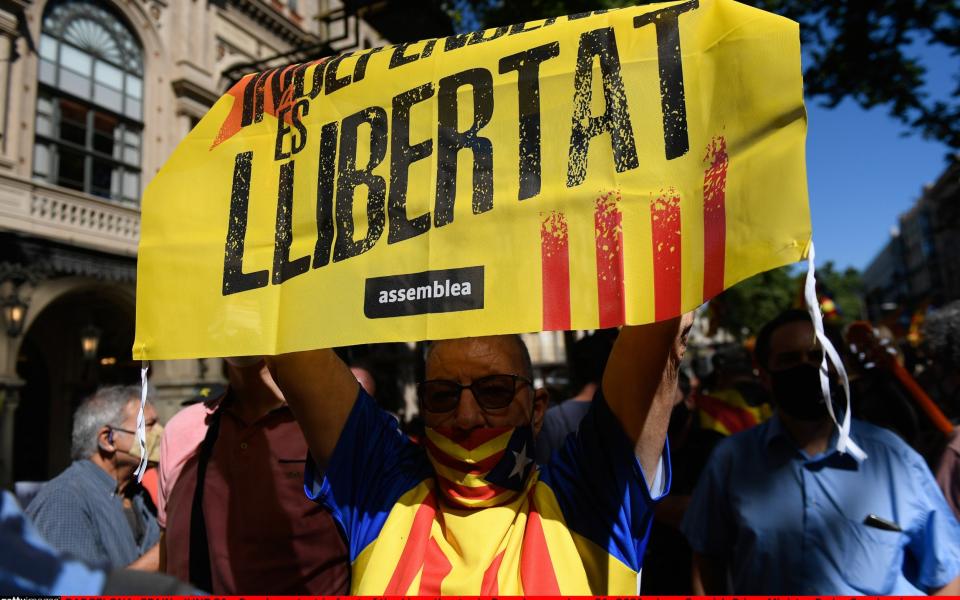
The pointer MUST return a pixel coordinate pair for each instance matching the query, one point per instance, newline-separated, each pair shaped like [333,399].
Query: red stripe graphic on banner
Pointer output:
[608,234]
[490,585]
[714,217]
[411,559]
[555,271]
[436,566]
[665,222]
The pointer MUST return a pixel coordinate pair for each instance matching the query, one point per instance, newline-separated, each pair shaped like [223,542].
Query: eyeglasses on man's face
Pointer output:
[493,392]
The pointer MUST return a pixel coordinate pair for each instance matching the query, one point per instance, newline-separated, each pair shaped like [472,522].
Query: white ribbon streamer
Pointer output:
[845,444]
[141,423]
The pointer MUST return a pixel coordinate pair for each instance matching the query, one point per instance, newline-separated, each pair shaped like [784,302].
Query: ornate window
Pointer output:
[90,102]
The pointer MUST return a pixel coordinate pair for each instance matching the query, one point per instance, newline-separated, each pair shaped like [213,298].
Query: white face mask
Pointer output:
[153,435]
[153,444]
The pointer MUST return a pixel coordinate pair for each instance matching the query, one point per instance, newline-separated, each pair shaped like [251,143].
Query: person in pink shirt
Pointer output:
[249,528]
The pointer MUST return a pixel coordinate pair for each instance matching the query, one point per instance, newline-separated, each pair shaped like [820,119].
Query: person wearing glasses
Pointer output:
[95,510]
[467,511]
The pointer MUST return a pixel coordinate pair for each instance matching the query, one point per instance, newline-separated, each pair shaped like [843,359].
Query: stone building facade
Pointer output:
[919,267]
[94,95]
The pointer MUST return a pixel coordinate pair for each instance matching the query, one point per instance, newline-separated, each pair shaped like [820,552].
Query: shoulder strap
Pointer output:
[200,572]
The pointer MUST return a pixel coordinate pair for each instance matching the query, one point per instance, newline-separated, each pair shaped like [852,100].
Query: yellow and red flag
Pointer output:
[727,412]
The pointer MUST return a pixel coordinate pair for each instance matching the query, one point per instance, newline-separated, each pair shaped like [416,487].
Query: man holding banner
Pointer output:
[421,191]
[424,191]
[468,512]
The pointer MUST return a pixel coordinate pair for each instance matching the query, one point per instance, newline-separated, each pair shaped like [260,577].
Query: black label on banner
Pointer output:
[447,290]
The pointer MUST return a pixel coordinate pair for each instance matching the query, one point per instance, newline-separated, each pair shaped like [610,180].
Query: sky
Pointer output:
[863,172]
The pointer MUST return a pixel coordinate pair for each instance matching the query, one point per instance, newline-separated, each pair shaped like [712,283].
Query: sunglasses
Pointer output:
[493,392]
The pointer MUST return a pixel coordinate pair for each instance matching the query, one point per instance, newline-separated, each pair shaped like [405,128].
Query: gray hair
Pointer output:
[104,407]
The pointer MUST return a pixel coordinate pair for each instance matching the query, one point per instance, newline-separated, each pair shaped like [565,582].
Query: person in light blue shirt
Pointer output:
[30,566]
[779,511]
[95,510]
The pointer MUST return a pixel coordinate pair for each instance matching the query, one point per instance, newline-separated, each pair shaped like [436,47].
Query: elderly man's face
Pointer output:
[125,440]
[467,360]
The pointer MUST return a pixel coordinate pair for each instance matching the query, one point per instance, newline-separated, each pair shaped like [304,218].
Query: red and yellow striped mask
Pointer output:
[487,466]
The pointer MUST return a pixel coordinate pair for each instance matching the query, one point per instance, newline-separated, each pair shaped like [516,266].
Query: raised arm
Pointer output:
[640,383]
[321,391]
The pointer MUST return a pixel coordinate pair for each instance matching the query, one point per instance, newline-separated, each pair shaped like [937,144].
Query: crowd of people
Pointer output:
[656,475]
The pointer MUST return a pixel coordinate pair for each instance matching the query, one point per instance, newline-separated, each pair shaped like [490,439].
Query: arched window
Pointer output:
[90,102]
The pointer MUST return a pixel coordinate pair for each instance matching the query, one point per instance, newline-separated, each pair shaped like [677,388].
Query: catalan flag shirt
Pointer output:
[578,525]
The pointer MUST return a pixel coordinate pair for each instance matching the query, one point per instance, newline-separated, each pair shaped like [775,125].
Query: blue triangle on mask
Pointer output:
[517,463]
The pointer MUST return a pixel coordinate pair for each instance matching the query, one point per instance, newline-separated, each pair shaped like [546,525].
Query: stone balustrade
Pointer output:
[68,216]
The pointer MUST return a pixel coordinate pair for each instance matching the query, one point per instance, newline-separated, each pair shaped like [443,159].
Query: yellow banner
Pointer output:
[621,166]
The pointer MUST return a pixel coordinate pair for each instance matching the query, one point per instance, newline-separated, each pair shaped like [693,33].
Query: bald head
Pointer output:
[510,347]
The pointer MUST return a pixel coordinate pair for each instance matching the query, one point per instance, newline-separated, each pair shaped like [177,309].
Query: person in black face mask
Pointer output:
[779,510]
[793,374]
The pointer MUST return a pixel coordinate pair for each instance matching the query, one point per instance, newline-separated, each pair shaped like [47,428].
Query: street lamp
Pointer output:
[89,341]
[14,314]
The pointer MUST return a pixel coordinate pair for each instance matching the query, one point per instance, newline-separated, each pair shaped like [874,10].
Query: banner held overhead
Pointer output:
[607,168]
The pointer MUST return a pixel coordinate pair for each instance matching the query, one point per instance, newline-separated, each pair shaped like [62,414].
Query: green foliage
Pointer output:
[846,289]
[744,308]
[854,49]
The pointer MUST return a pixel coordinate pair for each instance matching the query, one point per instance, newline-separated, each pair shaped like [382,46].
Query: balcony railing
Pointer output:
[67,216]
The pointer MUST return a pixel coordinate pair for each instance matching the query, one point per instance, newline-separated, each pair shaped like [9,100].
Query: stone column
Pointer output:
[9,400]
[173,381]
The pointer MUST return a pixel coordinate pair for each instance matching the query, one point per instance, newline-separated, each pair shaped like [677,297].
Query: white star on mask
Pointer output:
[522,462]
